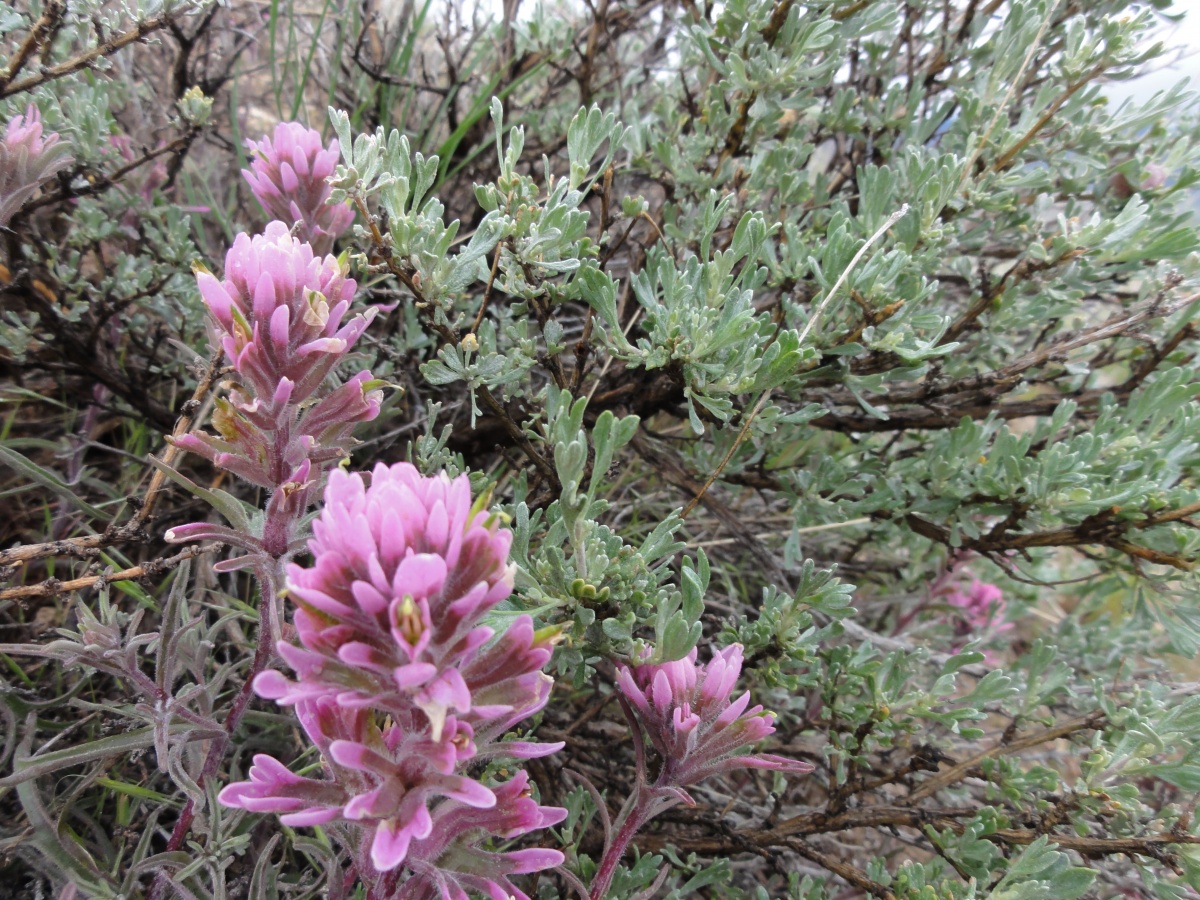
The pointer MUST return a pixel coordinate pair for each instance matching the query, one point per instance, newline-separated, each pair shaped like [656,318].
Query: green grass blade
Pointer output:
[47,479]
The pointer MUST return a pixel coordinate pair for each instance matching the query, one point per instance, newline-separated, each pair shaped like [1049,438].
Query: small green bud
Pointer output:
[194,107]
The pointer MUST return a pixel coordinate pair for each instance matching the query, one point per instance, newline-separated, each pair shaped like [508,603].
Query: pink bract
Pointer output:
[402,686]
[279,313]
[25,132]
[279,317]
[403,573]
[982,605]
[288,174]
[451,861]
[691,718]
[27,158]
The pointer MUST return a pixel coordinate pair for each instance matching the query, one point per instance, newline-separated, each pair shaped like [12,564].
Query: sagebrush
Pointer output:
[618,450]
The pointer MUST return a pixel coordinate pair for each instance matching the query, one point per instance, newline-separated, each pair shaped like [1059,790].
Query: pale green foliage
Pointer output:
[649,259]
[763,308]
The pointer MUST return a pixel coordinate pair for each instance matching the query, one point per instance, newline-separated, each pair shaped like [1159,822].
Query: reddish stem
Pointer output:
[651,801]
[614,853]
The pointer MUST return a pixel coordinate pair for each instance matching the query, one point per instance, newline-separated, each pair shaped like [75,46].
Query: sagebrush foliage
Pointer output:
[858,334]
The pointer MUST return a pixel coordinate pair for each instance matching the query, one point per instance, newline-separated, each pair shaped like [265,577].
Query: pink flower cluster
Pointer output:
[688,712]
[288,176]
[27,158]
[279,315]
[977,610]
[404,690]
[982,606]
[692,721]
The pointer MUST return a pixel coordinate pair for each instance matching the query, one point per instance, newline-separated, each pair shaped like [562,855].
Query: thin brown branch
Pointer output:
[673,470]
[378,75]
[842,869]
[742,435]
[954,774]
[943,403]
[736,137]
[1113,327]
[52,586]
[1173,515]
[1156,357]
[1005,159]
[487,292]
[39,34]
[1150,845]
[969,168]
[789,835]
[588,68]
[863,817]
[133,529]
[140,31]
[841,15]
[1098,529]
[103,183]
[1020,271]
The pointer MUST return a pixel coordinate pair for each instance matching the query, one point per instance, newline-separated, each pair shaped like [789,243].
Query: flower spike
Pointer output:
[27,158]
[288,175]
[403,687]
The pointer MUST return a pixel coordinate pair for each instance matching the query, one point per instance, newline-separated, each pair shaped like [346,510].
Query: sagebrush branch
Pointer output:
[514,430]
[50,19]
[52,586]
[956,773]
[1095,530]
[142,29]
[132,530]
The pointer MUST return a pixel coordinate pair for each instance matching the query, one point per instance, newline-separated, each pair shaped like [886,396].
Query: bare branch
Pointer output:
[140,31]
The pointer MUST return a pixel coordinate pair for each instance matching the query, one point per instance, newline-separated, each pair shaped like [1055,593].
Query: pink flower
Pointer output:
[982,606]
[25,131]
[26,160]
[382,777]
[401,686]
[691,719]
[272,788]
[980,610]
[688,713]
[390,611]
[278,315]
[279,312]
[288,176]
[451,862]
